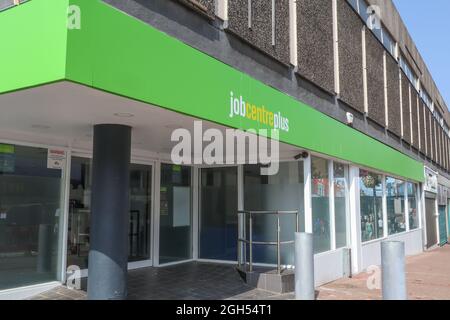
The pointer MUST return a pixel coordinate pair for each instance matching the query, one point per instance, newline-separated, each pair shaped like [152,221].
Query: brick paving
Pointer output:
[427,278]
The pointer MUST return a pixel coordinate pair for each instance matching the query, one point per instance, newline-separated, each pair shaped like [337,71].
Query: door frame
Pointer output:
[134,160]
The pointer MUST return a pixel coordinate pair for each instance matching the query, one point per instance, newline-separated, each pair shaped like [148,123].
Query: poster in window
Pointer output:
[7,158]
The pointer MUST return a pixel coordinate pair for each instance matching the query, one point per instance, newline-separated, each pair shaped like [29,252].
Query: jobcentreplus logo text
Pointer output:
[232,146]
[245,109]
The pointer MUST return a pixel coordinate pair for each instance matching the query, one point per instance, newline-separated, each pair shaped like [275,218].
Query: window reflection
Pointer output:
[371,200]
[320,204]
[340,203]
[412,206]
[395,201]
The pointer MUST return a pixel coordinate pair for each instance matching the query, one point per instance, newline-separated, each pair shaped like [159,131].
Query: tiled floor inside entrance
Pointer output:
[188,281]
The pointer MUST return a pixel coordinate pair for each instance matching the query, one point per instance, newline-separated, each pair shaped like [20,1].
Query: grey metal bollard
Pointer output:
[304,266]
[393,270]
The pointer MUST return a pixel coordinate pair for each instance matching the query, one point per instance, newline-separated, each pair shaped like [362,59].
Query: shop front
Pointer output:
[89,180]
[180,213]
[431,207]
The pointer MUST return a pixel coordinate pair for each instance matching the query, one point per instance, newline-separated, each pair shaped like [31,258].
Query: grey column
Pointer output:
[304,267]
[108,255]
[393,270]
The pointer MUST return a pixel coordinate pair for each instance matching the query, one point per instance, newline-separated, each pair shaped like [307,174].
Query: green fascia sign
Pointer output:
[117,53]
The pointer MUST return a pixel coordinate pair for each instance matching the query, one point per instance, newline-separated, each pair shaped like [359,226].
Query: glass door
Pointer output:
[80,210]
[175,216]
[140,212]
[218,213]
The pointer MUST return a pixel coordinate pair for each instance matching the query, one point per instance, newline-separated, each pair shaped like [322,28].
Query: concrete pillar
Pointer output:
[108,255]
[393,270]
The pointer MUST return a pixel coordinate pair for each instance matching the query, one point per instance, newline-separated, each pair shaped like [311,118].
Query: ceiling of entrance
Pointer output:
[64,113]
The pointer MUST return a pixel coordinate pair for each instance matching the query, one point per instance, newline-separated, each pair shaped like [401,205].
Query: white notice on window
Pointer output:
[55,158]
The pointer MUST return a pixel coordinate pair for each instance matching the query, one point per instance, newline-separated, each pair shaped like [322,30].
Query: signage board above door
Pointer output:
[431,180]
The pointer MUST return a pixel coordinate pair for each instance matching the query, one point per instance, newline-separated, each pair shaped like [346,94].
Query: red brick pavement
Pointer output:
[427,278]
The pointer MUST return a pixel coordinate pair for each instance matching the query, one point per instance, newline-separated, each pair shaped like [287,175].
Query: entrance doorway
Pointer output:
[430,213]
[175,214]
[218,213]
[442,226]
[78,241]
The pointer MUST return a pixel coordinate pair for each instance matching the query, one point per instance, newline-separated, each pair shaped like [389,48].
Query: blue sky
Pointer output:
[428,22]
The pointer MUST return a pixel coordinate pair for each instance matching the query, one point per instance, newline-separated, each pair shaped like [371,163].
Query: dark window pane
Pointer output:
[218,216]
[30,217]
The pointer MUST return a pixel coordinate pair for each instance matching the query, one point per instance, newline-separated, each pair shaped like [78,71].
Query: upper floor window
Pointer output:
[388,43]
[438,116]
[354,4]
[379,30]
[426,98]
[408,71]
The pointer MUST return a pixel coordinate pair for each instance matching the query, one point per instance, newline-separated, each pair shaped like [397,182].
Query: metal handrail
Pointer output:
[250,241]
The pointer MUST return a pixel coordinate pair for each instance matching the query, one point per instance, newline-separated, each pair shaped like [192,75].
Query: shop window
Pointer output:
[413,213]
[30,217]
[371,205]
[340,203]
[395,200]
[320,204]
[282,191]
